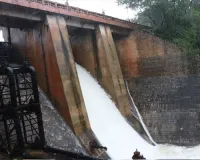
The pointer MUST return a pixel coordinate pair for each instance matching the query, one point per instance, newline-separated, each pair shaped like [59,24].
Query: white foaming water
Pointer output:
[115,133]
[139,115]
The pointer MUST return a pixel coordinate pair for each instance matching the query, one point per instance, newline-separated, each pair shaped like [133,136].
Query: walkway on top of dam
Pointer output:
[45,6]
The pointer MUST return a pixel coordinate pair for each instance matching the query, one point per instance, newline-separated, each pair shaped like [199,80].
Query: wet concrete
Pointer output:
[57,132]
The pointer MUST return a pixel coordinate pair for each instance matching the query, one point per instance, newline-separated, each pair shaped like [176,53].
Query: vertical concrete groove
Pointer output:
[96,57]
[44,61]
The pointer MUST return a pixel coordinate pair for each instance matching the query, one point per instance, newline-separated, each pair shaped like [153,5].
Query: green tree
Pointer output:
[190,39]
[174,20]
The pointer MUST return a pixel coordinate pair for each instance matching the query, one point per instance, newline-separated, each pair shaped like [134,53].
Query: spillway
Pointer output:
[115,133]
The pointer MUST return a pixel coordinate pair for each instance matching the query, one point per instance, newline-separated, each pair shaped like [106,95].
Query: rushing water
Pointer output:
[115,133]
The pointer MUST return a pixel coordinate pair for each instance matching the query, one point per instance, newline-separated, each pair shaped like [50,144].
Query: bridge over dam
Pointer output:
[54,37]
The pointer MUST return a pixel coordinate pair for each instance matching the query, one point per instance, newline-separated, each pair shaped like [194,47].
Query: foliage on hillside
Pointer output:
[175,20]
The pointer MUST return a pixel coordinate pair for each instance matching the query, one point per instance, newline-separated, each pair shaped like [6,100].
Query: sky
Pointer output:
[1,36]
[109,6]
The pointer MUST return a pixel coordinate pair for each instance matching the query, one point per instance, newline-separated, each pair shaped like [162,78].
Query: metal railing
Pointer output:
[78,10]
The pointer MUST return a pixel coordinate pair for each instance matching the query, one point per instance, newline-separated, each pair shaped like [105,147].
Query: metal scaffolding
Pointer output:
[20,112]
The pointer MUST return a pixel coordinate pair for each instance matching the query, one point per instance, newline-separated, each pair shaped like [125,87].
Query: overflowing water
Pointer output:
[115,133]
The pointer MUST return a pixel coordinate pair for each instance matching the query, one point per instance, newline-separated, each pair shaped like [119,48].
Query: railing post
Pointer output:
[10,73]
[38,112]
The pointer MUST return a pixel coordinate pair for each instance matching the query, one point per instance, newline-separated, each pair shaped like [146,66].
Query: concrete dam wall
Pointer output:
[53,48]
[162,80]
[164,83]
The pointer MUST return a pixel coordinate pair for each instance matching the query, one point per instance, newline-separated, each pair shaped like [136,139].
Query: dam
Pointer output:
[54,38]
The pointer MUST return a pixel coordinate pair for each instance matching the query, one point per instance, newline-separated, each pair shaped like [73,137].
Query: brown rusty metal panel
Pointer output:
[18,39]
[31,49]
[29,45]
[34,54]
[84,50]
[71,11]
[128,55]
[40,60]
[111,71]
